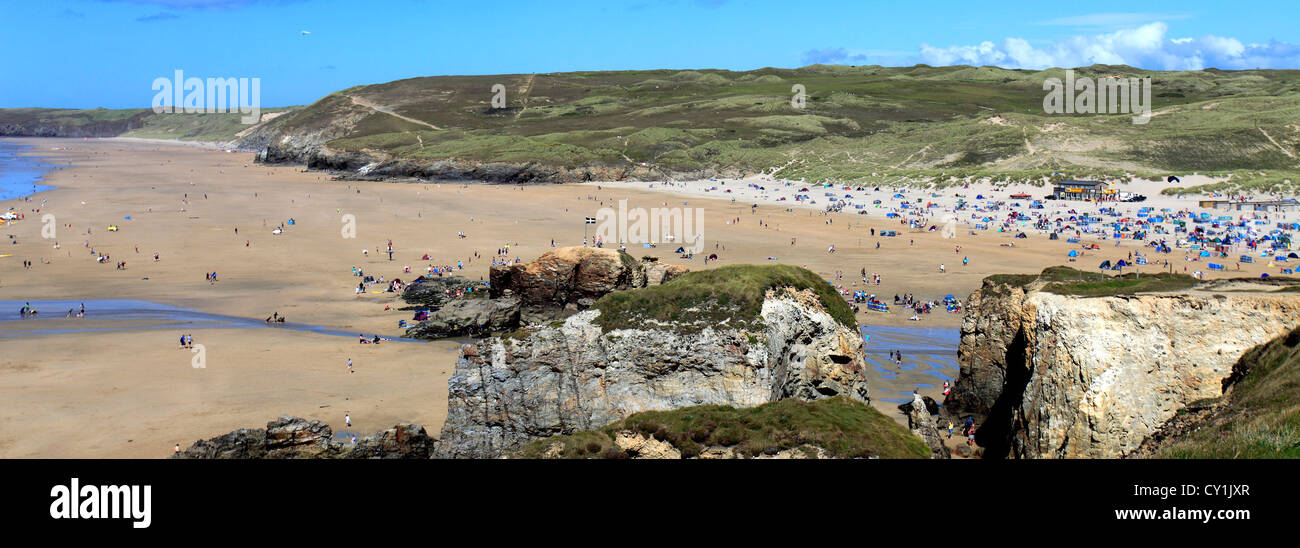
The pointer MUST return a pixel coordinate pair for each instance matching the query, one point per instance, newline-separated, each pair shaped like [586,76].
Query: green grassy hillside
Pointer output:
[868,124]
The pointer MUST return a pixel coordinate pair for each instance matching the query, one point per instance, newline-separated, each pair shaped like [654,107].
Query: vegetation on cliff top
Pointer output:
[1259,417]
[729,295]
[1063,280]
[843,427]
[139,123]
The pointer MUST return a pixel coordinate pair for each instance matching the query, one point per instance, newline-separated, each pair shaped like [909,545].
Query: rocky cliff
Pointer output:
[585,374]
[375,165]
[68,123]
[1254,419]
[1059,375]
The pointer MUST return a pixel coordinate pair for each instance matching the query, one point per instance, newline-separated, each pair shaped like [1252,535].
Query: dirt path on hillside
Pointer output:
[364,103]
[528,89]
[1276,144]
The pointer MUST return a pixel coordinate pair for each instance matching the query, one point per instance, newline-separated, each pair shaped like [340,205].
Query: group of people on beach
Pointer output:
[361,339]
[967,428]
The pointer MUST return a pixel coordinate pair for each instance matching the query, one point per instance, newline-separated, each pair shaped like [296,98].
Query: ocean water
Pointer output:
[20,175]
[929,359]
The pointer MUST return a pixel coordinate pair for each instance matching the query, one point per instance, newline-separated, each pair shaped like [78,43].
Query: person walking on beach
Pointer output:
[347,419]
[350,365]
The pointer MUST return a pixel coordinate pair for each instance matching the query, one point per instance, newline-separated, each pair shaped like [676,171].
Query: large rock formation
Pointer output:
[295,438]
[1056,375]
[573,278]
[920,421]
[560,282]
[579,376]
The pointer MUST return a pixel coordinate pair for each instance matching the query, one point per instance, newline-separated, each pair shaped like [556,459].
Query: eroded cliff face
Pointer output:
[507,392]
[309,148]
[1066,376]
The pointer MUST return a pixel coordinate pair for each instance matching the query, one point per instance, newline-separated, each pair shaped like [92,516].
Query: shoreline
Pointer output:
[37,162]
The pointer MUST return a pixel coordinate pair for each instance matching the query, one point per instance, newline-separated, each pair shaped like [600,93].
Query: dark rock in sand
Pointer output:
[291,437]
[434,291]
[462,317]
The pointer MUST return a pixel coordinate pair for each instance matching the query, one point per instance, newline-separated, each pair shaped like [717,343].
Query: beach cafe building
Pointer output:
[1083,190]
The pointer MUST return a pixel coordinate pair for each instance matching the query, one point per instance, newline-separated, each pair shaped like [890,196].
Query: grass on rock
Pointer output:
[843,427]
[729,295]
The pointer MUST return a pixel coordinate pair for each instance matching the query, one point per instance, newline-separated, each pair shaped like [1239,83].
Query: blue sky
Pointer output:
[106,53]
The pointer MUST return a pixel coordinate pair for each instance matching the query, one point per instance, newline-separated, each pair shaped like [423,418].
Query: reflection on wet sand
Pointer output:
[929,359]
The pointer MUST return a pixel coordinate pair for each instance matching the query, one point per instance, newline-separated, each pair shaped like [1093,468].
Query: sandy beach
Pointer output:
[133,393]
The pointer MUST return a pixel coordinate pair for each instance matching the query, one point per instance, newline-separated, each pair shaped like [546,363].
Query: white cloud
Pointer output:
[1111,20]
[1146,46]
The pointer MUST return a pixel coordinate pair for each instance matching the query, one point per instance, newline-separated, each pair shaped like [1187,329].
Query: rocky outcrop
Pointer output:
[641,446]
[658,273]
[295,438]
[574,377]
[629,444]
[435,291]
[469,317]
[1056,375]
[560,282]
[567,276]
[930,405]
[920,420]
